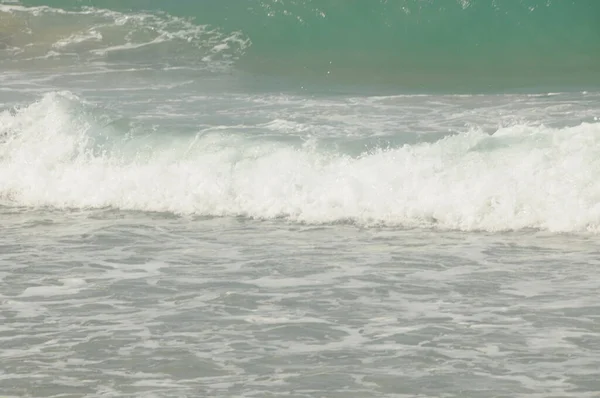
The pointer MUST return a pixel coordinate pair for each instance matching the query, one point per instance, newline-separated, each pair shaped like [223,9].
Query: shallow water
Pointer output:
[176,223]
[130,304]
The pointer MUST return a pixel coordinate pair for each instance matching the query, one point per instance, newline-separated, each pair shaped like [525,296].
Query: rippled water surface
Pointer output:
[129,304]
[264,198]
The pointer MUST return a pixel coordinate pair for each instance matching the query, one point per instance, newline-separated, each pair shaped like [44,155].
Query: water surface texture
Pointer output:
[299,198]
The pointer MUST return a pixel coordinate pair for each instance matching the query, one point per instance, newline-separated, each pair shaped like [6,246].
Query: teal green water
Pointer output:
[452,45]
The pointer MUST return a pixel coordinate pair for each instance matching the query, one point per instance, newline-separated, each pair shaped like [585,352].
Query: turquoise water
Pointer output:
[464,45]
[299,198]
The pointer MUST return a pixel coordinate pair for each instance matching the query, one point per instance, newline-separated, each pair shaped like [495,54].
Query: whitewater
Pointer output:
[270,198]
[520,176]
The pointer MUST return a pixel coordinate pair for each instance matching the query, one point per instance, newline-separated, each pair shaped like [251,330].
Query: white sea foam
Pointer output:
[91,33]
[519,177]
[69,286]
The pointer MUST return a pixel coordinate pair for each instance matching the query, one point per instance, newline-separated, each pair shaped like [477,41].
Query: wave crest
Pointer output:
[520,177]
[92,34]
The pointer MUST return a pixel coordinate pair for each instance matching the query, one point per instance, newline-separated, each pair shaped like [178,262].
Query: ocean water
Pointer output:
[300,198]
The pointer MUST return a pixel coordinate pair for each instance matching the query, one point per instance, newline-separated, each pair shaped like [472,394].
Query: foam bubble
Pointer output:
[68,287]
[519,177]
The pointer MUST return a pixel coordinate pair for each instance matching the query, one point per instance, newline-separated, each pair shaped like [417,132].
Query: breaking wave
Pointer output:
[59,152]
